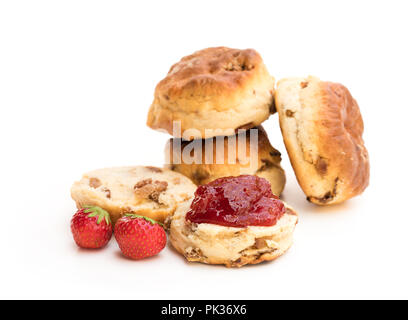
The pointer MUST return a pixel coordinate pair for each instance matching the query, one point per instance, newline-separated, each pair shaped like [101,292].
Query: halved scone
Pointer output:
[149,191]
[233,221]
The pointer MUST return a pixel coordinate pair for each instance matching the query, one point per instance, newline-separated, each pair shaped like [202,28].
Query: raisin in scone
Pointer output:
[233,223]
[149,191]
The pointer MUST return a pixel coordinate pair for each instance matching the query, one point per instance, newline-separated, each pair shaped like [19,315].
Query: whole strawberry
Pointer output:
[91,227]
[139,237]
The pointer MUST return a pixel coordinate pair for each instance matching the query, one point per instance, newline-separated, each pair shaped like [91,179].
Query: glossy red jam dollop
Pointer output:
[236,202]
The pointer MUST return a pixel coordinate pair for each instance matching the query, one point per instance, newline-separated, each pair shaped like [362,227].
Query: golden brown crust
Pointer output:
[322,129]
[266,164]
[214,88]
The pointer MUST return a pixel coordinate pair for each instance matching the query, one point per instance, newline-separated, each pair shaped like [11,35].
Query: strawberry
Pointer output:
[139,237]
[91,227]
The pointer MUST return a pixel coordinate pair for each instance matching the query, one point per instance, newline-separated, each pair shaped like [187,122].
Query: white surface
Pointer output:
[76,81]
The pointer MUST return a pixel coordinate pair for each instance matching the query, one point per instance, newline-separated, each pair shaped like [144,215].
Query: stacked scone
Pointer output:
[213,103]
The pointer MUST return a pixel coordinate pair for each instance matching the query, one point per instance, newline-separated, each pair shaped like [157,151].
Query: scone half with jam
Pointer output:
[233,221]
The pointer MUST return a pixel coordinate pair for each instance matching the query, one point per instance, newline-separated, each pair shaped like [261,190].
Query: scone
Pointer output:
[265,163]
[240,238]
[149,191]
[213,92]
[322,128]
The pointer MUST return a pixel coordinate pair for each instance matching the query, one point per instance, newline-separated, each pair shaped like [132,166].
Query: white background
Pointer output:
[76,81]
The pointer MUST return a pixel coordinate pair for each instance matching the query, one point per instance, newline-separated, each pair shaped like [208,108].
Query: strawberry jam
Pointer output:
[236,202]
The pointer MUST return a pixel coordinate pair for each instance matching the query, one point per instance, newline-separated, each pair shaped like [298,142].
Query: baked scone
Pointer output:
[149,191]
[265,163]
[231,246]
[218,89]
[322,128]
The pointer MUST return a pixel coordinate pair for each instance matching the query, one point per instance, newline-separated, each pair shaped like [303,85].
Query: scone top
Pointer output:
[148,191]
[213,92]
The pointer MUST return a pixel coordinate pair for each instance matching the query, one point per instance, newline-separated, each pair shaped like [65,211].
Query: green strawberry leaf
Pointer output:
[95,211]
[134,216]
